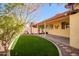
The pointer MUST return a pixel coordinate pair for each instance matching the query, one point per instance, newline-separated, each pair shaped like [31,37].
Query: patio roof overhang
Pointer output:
[54,19]
[57,19]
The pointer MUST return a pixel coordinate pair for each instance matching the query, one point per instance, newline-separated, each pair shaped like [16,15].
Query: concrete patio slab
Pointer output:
[63,44]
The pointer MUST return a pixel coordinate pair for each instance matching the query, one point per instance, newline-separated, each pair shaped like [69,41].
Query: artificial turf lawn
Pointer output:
[28,45]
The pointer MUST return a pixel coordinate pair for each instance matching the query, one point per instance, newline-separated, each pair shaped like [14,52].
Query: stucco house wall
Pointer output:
[74,30]
[59,31]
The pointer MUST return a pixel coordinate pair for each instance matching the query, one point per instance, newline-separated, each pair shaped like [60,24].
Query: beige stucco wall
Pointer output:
[34,30]
[74,31]
[59,31]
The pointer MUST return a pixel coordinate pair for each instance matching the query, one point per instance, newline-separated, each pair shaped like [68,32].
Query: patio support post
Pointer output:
[37,29]
[31,28]
[45,28]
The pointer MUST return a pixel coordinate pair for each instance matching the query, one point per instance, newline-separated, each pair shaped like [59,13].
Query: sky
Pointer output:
[49,11]
[46,11]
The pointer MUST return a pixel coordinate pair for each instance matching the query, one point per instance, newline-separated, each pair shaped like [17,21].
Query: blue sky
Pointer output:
[49,11]
[46,11]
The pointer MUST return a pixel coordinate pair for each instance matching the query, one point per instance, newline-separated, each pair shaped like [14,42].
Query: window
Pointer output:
[67,25]
[64,25]
[50,26]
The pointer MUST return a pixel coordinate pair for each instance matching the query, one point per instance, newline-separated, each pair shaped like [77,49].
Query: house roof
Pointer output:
[69,5]
[54,18]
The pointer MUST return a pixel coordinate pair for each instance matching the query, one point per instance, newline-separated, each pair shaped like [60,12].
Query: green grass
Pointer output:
[28,45]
